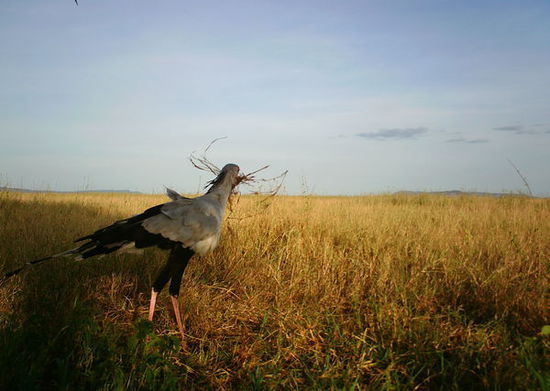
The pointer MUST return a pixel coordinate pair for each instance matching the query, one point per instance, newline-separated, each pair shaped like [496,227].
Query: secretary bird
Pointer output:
[184,226]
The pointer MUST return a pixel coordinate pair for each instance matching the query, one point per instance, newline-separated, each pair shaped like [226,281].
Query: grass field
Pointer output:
[375,292]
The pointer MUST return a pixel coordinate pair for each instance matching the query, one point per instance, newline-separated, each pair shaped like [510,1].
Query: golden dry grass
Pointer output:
[373,292]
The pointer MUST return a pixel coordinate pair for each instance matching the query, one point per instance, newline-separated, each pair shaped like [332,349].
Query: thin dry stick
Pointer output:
[269,194]
[202,162]
[522,177]
[213,141]
[247,180]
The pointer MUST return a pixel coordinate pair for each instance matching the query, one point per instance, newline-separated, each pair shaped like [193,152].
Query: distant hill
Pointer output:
[456,193]
[452,193]
[76,191]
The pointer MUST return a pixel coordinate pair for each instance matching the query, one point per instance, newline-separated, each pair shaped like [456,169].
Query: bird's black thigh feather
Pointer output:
[177,274]
[173,270]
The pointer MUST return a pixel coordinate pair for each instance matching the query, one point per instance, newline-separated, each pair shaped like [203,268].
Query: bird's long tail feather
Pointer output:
[14,272]
[120,235]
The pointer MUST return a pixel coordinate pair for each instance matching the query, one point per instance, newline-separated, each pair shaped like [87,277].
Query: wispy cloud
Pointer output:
[468,141]
[393,134]
[518,129]
[510,128]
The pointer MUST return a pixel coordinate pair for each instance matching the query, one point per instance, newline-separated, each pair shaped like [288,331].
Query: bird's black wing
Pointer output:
[121,233]
[109,239]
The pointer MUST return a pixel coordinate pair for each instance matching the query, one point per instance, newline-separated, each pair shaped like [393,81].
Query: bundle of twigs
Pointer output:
[251,179]
[202,163]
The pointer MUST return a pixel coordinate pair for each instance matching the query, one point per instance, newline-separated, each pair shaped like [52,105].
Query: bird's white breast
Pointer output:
[205,246]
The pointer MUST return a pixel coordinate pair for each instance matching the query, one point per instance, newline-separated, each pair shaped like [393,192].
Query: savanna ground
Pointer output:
[373,292]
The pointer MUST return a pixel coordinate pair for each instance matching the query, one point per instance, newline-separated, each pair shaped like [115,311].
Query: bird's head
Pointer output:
[231,171]
[228,174]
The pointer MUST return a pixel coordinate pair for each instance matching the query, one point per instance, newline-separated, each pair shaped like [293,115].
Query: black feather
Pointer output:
[113,237]
[120,226]
[216,181]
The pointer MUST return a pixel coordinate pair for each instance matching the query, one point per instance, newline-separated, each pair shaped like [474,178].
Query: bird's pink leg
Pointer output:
[176,306]
[152,304]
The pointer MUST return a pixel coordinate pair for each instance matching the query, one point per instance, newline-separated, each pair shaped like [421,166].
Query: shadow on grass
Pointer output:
[82,355]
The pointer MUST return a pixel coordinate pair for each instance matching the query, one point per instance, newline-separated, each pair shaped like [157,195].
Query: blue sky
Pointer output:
[352,97]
